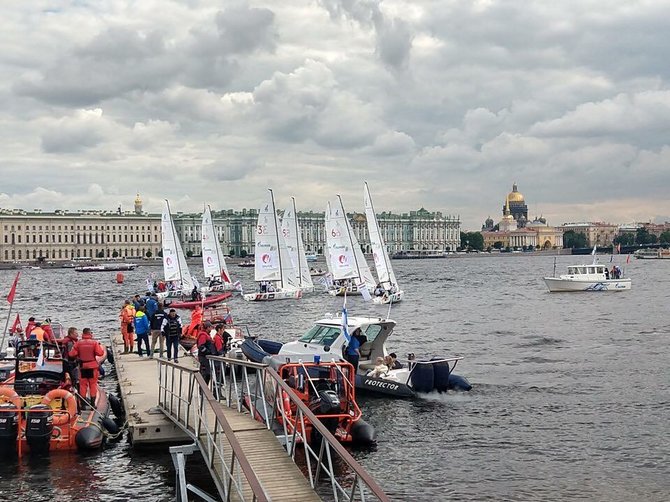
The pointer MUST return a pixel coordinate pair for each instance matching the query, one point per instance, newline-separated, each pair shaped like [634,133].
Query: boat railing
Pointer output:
[185,397]
[259,389]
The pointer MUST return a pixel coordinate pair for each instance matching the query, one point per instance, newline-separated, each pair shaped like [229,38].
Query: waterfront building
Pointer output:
[92,234]
[597,233]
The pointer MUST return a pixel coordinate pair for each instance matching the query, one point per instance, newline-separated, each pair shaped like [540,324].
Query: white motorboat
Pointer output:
[273,269]
[296,249]
[351,274]
[326,339]
[652,254]
[587,278]
[387,290]
[213,262]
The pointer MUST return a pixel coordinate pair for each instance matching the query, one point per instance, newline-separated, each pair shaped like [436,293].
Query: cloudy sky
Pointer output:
[442,104]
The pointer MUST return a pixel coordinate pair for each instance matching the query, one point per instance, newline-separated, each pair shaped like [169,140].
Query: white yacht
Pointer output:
[588,278]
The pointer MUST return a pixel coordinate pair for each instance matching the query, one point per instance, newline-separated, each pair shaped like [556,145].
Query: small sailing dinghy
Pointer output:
[387,290]
[213,262]
[273,269]
[178,279]
[296,249]
[351,274]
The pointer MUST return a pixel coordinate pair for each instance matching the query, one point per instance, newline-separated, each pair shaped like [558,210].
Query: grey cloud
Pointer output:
[243,30]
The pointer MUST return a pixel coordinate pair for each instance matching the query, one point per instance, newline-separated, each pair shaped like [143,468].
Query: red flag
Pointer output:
[12,292]
[628,259]
[16,325]
[618,248]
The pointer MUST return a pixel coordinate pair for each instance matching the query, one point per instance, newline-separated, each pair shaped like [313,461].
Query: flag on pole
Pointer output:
[593,253]
[238,285]
[12,292]
[40,357]
[611,258]
[365,293]
[16,325]
[618,248]
[345,321]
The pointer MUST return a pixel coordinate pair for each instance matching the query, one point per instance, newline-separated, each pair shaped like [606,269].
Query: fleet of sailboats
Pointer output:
[273,269]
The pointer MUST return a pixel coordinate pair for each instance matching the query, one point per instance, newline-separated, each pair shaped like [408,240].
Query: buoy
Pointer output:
[110,426]
[117,407]
[119,278]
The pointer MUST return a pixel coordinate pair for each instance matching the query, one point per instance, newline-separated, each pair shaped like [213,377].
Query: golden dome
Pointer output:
[515,195]
[138,200]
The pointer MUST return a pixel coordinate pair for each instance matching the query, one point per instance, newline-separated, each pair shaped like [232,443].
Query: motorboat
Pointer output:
[246,264]
[326,338]
[39,410]
[106,267]
[652,254]
[588,278]
[327,388]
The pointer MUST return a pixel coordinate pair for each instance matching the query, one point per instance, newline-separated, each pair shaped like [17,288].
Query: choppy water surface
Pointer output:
[571,397]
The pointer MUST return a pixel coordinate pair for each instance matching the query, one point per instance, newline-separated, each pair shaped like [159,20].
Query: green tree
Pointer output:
[665,237]
[572,239]
[625,239]
[243,253]
[642,236]
[149,254]
[115,254]
[498,245]
[652,239]
[160,253]
[101,254]
[231,252]
[189,253]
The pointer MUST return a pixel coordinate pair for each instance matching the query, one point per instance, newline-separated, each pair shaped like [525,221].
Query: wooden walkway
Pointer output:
[138,379]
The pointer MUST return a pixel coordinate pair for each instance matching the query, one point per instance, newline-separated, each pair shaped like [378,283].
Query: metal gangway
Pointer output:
[246,459]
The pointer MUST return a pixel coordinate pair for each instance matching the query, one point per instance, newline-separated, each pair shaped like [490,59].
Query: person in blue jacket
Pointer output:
[142,329]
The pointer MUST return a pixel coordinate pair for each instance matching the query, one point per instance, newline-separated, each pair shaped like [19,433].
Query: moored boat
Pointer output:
[191,304]
[39,411]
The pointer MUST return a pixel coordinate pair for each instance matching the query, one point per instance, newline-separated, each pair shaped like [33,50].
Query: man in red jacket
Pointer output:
[86,351]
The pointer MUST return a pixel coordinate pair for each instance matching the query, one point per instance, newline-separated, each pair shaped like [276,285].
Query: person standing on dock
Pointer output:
[127,317]
[142,329]
[171,329]
[86,350]
[156,330]
[205,348]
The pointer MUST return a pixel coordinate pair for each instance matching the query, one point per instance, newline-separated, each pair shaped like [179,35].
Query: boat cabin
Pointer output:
[587,272]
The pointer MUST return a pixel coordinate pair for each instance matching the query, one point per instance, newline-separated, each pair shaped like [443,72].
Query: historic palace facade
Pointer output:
[63,235]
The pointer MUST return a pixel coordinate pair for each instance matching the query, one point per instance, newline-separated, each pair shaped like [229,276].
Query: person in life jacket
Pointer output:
[142,330]
[171,329]
[127,317]
[71,366]
[37,333]
[48,331]
[196,320]
[29,327]
[205,348]
[86,350]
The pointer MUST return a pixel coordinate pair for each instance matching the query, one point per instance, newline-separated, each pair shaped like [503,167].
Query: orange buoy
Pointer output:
[119,278]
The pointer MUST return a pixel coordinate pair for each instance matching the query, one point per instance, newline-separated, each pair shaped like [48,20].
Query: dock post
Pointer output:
[178,454]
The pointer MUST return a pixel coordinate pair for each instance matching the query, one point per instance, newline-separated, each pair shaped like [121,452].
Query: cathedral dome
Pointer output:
[515,195]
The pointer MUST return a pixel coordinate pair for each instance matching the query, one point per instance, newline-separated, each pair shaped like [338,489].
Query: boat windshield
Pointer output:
[321,335]
[371,331]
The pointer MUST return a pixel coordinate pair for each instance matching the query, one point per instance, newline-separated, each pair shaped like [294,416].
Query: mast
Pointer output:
[346,221]
[297,229]
[374,215]
[174,239]
[217,247]
[274,215]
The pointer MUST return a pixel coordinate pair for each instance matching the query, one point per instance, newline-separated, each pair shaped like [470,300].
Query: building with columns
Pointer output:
[64,235]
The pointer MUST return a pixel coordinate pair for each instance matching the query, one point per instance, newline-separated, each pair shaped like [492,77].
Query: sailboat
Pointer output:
[273,269]
[388,291]
[175,270]
[351,273]
[296,249]
[213,262]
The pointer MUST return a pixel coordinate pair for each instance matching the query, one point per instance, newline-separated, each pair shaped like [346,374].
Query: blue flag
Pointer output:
[40,356]
[345,321]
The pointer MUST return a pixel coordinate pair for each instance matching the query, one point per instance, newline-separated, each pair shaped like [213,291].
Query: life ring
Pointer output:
[10,395]
[70,403]
[287,405]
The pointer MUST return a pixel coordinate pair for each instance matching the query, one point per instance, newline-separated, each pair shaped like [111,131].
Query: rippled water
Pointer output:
[571,397]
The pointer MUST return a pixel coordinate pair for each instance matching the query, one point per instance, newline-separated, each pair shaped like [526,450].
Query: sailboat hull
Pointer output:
[342,291]
[386,299]
[275,295]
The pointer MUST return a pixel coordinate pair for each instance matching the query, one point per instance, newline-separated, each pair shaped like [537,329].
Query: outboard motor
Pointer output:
[327,402]
[9,426]
[39,426]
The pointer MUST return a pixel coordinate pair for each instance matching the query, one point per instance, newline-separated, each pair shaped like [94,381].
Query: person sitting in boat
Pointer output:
[607,274]
[161,287]
[196,319]
[86,350]
[195,295]
[271,288]
[214,281]
[29,327]
[38,333]
[263,287]
[379,291]
[393,359]
[380,369]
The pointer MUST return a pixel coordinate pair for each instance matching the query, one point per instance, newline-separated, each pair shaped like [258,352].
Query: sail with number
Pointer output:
[175,268]
[291,232]
[346,258]
[379,253]
[213,262]
[272,260]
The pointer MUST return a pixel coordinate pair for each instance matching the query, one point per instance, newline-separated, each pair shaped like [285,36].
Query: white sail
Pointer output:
[174,261]
[379,253]
[213,262]
[296,249]
[326,247]
[346,258]
[271,258]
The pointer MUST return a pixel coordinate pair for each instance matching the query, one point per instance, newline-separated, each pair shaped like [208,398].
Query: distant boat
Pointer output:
[246,263]
[106,267]
[213,262]
[652,254]
[412,255]
[591,277]
[175,270]
[296,250]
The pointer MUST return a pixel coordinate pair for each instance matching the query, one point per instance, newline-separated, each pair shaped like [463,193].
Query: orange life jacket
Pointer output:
[38,332]
[86,350]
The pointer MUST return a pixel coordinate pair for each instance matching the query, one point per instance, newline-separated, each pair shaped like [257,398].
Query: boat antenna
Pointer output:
[297,229]
[388,314]
[554,274]
[274,216]
[346,222]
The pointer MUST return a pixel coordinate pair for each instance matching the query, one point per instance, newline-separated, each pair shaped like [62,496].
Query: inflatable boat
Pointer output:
[39,409]
[189,305]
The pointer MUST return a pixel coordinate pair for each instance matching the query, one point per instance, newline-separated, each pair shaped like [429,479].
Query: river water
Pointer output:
[571,393]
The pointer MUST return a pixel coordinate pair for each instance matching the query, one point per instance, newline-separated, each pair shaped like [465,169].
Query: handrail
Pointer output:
[238,456]
[330,445]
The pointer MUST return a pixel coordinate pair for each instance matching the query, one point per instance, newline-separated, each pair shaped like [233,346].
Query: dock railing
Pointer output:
[258,388]
[185,397]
